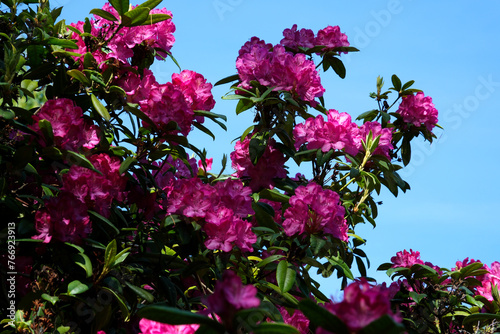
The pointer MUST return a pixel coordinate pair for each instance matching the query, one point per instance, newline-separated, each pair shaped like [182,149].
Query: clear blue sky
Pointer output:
[451,50]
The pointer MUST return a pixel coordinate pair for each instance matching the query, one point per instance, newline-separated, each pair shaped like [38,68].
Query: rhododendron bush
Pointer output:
[115,223]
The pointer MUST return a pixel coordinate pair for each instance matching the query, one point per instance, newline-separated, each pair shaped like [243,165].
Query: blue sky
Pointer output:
[450,49]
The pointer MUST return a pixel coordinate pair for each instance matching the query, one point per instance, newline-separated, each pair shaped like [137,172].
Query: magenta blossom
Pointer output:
[152,327]
[406,259]
[363,303]
[385,142]
[97,191]
[197,91]
[315,210]
[488,281]
[419,110]
[261,175]
[297,319]
[225,230]
[64,219]
[279,69]
[230,296]
[337,133]
[331,38]
[294,38]
[71,131]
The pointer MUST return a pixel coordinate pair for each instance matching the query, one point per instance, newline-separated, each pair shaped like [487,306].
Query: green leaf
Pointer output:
[79,160]
[103,220]
[126,164]
[142,116]
[338,263]
[338,66]
[76,287]
[417,297]
[83,261]
[321,317]
[285,276]
[64,43]
[263,217]
[104,14]
[122,303]
[141,292]
[384,324]
[98,106]
[275,328]
[480,317]
[135,17]
[396,83]
[155,18]
[121,6]
[243,104]
[268,260]
[149,4]
[228,79]
[78,75]
[204,129]
[52,299]
[109,255]
[7,114]
[174,316]
[47,131]
[274,195]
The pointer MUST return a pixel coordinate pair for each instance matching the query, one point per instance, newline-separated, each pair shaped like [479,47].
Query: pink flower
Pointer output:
[234,195]
[208,162]
[331,38]
[337,133]
[313,210]
[406,259]
[279,69]
[225,230]
[138,87]
[297,319]
[167,103]
[230,296]
[196,90]
[64,219]
[294,38]
[152,327]
[254,41]
[385,142]
[261,175]
[363,303]
[97,191]
[190,197]
[489,280]
[419,110]
[71,131]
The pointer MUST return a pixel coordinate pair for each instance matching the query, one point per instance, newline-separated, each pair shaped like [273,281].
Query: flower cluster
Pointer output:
[329,37]
[65,216]
[71,131]
[406,259]
[220,210]
[419,110]
[230,296]
[489,280]
[152,327]
[314,210]
[385,146]
[124,42]
[279,69]
[268,167]
[337,133]
[173,101]
[363,303]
